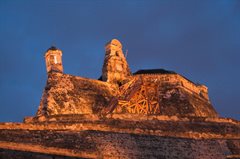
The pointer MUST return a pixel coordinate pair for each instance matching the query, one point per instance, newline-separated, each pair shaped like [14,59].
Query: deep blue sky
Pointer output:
[199,39]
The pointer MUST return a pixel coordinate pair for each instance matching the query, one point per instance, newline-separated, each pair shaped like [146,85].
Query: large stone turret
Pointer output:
[115,68]
[53,58]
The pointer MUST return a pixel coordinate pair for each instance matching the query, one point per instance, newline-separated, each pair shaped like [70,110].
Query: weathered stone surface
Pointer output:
[154,125]
[100,144]
[13,154]
[66,94]
[124,136]
[178,96]
[115,68]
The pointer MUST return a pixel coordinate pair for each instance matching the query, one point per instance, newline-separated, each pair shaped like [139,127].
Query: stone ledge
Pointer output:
[126,117]
[168,126]
[45,150]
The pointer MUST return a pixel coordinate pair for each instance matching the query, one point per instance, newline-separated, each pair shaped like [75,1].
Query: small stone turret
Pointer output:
[53,58]
[115,68]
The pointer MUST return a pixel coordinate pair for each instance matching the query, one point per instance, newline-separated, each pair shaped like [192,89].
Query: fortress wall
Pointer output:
[98,144]
[66,94]
[181,96]
[176,80]
[14,154]
[196,128]
[121,136]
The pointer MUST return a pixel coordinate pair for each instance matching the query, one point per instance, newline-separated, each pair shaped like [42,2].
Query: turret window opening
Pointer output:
[117,54]
[55,59]
[52,59]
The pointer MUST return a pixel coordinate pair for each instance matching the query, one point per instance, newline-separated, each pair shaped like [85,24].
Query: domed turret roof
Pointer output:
[53,48]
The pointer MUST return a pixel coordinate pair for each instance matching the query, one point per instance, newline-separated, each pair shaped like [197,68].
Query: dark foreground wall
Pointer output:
[121,136]
[11,154]
[98,144]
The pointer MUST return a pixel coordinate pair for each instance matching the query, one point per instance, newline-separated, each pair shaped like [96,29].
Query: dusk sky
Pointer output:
[199,39]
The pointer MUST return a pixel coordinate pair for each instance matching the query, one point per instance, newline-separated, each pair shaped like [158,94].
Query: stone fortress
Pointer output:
[147,114]
[119,91]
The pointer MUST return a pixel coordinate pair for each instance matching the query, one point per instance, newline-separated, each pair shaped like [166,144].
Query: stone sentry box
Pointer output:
[53,58]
